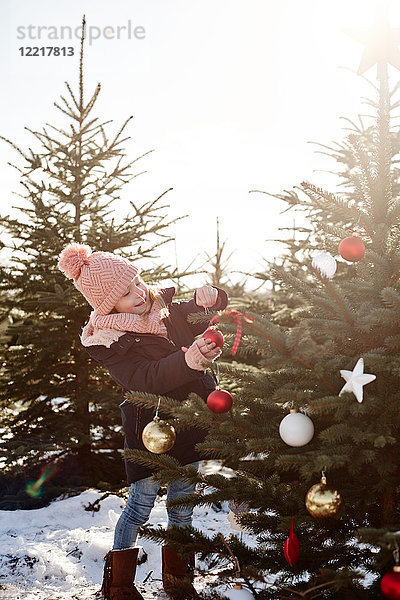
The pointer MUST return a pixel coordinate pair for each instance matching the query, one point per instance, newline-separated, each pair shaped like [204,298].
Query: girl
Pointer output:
[145,341]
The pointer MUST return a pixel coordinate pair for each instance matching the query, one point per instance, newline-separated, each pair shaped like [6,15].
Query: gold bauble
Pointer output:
[323,501]
[158,436]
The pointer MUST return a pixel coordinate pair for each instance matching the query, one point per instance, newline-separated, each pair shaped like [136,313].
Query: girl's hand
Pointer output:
[200,351]
[206,296]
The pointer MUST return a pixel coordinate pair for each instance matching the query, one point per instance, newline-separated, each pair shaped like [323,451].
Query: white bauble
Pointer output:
[325,264]
[237,593]
[296,429]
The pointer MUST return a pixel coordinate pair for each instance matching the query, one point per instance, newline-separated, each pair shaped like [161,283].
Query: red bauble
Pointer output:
[219,401]
[291,547]
[352,248]
[390,584]
[215,336]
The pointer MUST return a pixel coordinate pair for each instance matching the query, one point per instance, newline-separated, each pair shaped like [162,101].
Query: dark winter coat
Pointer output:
[151,363]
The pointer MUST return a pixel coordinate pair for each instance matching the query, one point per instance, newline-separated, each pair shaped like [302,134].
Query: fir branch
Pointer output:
[317,193]
[286,352]
[72,94]
[335,296]
[66,112]
[152,461]
[91,103]
[15,148]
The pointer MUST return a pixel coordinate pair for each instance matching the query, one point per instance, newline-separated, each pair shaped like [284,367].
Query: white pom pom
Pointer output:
[72,259]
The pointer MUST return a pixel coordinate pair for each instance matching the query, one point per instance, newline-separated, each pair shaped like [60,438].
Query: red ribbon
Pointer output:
[237,316]
[291,547]
[356,233]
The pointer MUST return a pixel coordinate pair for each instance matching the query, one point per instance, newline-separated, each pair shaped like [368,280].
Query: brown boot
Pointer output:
[177,574]
[119,575]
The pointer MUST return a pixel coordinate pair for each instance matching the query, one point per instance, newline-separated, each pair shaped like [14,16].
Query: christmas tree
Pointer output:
[333,465]
[59,410]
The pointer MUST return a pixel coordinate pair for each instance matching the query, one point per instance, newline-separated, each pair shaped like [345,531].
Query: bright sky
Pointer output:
[227,92]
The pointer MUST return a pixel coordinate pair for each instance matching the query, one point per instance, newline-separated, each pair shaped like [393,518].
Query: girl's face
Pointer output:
[136,299]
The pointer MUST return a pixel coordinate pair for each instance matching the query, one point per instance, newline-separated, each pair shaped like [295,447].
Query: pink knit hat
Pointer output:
[102,277]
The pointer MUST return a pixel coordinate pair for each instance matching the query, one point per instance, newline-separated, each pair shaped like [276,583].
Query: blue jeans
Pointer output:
[142,495]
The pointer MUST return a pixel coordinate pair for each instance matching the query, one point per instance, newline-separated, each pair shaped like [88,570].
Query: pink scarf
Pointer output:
[105,329]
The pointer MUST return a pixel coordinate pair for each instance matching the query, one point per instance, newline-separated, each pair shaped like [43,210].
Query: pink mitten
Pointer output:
[194,357]
[206,296]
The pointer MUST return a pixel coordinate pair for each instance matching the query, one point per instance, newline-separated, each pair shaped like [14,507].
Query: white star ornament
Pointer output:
[356,379]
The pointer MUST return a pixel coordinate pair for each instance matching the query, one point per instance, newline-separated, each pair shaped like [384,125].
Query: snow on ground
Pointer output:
[56,552]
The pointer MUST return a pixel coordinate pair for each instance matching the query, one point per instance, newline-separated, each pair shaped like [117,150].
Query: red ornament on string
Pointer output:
[219,401]
[390,584]
[215,336]
[352,248]
[291,547]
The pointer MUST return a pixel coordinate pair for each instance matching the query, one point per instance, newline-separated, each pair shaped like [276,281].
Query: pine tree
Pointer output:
[55,402]
[218,266]
[356,444]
